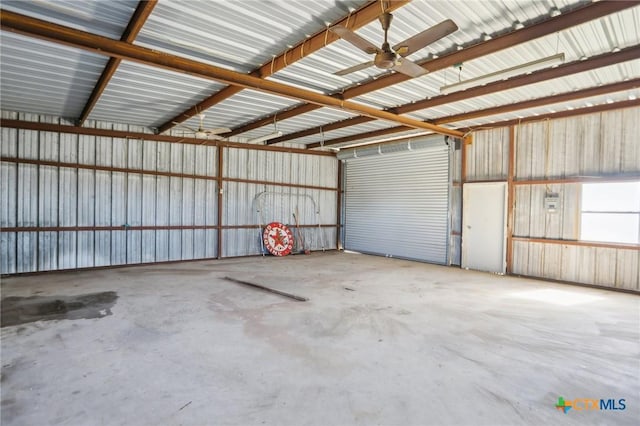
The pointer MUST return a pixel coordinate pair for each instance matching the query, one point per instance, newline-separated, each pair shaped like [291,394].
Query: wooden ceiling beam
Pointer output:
[139,17]
[540,29]
[533,103]
[105,46]
[361,17]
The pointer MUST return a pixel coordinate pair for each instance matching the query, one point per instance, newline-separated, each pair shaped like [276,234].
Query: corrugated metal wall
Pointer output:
[595,145]
[127,201]
[308,185]
[603,144]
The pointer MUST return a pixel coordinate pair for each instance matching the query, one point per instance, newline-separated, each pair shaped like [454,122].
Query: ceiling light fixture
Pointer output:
[503,74]
[266,137]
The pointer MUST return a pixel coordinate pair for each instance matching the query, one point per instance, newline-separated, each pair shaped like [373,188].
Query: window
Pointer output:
[611,212]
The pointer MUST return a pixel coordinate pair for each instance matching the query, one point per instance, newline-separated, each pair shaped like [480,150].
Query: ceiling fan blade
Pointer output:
[409,68]
[353,38]
[217,130]
[354,68]
[191,129]
[425,38]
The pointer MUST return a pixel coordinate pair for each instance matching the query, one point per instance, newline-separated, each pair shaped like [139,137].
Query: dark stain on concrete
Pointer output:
[21,310]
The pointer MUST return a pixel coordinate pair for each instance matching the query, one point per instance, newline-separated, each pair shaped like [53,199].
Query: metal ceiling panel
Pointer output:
[602,76]
[140,94]
[246,106]
[563,106]
[394,136]
[42,77]
[106,18]
[37,76]
[301,122]
[346,131]
[492,18]
[612,32]
[237,35]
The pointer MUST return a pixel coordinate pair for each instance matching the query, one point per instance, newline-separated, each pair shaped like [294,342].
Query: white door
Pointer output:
[484,226]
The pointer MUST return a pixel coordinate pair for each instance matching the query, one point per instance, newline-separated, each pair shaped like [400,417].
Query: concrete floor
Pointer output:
[412,344]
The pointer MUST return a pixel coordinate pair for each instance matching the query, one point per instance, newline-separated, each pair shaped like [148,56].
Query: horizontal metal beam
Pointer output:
[507,123]
[563,97]
[620,246]
[105,46]
[77,130]
[581,179]
[281,115]
[562,114]
[49,163]
[540,29]
[353,21]
[143,228]
[366,135]
[320,129]
[564,70]
[547,100]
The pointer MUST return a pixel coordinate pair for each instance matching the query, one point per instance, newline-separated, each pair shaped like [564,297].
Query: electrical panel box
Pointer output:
[551,202]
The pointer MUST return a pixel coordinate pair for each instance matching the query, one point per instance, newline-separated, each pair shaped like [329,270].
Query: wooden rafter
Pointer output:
[355,20]
[564,70]
[567,20]
[139,17]
[105,46]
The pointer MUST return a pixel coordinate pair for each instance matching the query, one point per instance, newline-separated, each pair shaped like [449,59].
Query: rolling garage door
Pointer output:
[397,203]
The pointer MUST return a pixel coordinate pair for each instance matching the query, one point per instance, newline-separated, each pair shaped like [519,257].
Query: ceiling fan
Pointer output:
[201,132]
[394,58]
